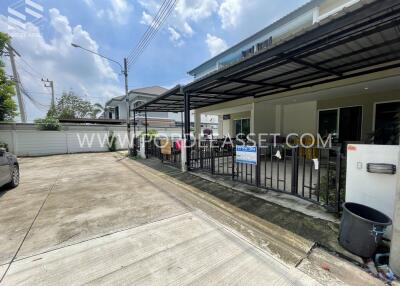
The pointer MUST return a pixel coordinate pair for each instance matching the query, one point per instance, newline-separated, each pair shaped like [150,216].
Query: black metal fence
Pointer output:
[154,150]
[313,174]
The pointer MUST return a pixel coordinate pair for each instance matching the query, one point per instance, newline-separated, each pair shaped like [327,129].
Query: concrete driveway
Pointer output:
[105,219]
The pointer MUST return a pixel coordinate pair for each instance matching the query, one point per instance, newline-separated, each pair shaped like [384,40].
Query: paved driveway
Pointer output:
[104,219]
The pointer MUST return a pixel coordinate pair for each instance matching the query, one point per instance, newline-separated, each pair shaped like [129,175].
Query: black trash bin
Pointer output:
[361,229]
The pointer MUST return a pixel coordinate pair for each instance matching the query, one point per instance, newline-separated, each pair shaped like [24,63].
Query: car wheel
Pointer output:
[14,177]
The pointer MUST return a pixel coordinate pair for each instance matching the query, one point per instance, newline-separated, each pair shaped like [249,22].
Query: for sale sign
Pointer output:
[246,155]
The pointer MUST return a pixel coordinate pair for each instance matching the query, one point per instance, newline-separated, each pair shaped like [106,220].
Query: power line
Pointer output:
[35,102]
[32,68]
[163,13]
[155,27]
[28,72]
[149,28]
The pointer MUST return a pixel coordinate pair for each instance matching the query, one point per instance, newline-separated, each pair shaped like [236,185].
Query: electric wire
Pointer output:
[32,68]
[163,13]
[35,102]
[153,35]
[149,29]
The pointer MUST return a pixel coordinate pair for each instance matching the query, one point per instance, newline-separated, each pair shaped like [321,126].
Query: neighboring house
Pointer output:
[116,109]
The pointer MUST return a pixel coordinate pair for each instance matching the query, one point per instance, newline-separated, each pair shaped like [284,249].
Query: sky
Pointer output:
[195,31]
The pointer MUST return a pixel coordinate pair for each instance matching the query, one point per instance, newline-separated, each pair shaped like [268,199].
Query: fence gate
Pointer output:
[313,174]
[212,156]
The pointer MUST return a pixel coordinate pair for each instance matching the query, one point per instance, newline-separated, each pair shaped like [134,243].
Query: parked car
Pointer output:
[9,169]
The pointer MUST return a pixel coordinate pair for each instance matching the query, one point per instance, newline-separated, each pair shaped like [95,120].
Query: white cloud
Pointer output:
[117,11]
[230,12]
[89,3]
[215,45]
[70,68]
[184,15]
[147,19]
[246,17]
[120,11]
[196,10]
[175,37]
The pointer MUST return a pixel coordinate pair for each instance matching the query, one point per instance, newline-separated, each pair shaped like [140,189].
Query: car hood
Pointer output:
[11,157]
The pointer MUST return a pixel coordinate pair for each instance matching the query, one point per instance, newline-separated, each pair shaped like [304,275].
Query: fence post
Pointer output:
[233,161]
[199,153]
[295,171]
[258,166]
[212,158]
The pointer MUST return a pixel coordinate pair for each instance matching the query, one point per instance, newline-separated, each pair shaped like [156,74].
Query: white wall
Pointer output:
[26,140]
[300,118]
[38,143]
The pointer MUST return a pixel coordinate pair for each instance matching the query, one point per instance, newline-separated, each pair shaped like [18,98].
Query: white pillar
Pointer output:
[395,245]
[183,156]
[197,123]
[278,118]
[252,121]
[220,126]
[142,152]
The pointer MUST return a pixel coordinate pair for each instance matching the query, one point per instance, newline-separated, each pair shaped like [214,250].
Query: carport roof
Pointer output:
[361,39]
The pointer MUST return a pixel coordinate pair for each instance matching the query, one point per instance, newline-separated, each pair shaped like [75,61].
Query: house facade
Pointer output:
[116,108]
[361,109]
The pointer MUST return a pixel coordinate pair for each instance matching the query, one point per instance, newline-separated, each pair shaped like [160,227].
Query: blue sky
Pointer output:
[196,30]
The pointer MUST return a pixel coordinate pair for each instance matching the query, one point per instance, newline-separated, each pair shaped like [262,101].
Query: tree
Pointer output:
[71,106]
[8,107]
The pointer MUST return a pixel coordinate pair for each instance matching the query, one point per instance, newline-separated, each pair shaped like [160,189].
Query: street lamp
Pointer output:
[124,70]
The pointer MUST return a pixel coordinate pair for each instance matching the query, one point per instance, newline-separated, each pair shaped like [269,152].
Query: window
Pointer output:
[110,115]
[328,123]
[344,124]
[242,126]
[117,112]
[387,123]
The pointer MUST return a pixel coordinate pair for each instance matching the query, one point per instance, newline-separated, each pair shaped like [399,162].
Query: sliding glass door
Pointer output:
[387,123]
[343,124]
[242,127]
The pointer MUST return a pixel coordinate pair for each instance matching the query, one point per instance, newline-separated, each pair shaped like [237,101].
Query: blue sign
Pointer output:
[246,155]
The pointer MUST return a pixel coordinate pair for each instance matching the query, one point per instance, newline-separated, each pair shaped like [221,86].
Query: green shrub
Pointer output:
[48,123]
[112,143]
[4,145]
[151,133]
[327,190]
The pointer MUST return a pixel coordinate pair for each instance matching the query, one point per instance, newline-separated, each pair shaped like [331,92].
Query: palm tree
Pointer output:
[97,109]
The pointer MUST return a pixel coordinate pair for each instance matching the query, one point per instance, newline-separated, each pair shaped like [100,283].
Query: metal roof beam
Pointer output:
[249,82]
[378,69]
[314,66]
[224,93]
[338,28]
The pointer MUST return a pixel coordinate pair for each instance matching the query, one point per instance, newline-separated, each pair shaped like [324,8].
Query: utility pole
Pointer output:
[17,81]
[51,85]
[128,105]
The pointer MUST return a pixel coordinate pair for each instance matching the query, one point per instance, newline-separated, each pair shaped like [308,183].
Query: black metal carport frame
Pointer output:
[362,39]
